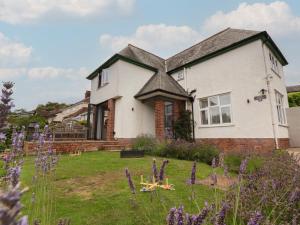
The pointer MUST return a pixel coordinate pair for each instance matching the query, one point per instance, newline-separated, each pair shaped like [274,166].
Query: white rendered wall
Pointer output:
[242,73]
[132,117]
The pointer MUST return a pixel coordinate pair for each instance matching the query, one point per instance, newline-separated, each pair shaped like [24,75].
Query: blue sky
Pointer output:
[49,48]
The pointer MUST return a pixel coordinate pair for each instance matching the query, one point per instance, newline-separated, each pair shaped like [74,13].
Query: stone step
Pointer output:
[112,147]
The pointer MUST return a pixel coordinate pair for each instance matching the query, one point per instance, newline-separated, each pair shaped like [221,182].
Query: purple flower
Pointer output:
[193,174]
[14,175]
[11,207]
[130,183]
[255,218]
[199,220]
[295,196]
[189,219]
[154,171]
[214,179]
[162,170]
[213,163]
[171,217]
[243,166]
[179,216]
[220,218]
[226,174]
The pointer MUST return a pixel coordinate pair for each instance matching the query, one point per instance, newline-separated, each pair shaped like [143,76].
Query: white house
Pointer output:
[233,82]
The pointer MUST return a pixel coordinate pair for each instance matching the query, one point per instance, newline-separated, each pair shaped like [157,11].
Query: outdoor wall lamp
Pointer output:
[262,95]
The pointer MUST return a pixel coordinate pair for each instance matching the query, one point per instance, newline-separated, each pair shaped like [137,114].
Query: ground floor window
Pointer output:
[169,119]
[215,110]
[280,108]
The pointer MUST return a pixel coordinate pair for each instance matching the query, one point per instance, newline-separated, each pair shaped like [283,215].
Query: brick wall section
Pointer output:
[259,145]
[73,146]
[111,120]
[159,110]
[178,106]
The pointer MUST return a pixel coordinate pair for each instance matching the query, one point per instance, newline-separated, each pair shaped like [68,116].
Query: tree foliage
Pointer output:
[294,99]
[19,121]
[45,109]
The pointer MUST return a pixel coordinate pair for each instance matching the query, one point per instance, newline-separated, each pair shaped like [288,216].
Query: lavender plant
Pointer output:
[43,193]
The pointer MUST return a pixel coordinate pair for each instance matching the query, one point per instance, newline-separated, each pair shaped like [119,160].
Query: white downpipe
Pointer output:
[268,81]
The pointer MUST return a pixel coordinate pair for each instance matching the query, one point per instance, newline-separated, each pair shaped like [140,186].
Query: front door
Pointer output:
[101,121]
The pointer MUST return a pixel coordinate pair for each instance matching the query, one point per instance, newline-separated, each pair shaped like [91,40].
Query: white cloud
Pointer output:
[44,73]
[20,11]
[12,52]
[276,17]
[158,38]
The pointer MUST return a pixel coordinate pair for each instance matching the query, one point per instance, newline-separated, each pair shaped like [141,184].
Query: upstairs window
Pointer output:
[103,77]
[180,76]
[280,108]
[274,63]
[215,110]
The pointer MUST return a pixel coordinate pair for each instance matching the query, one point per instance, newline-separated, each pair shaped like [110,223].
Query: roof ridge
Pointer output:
[228,28]
[146,51]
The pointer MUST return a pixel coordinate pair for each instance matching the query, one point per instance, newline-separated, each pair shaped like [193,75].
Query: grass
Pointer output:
[92,189]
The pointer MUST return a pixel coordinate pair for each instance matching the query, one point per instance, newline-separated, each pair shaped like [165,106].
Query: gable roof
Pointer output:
[217,44]
[291,89]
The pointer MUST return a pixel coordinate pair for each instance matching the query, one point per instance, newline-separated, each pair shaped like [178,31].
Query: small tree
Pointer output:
[294,99]
[183,126]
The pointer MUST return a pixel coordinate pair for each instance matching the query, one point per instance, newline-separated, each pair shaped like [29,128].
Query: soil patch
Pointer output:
[85,186]
[223,182]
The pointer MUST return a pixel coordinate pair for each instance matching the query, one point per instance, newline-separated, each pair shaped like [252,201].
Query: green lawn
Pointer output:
[92,189]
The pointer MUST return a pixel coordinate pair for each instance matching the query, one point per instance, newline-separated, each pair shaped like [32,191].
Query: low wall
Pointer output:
[72,146]
[293,117]
[257,145]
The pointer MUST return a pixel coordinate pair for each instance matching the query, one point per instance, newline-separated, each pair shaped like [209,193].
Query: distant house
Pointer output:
[292,89]
[74,112]
[233,82]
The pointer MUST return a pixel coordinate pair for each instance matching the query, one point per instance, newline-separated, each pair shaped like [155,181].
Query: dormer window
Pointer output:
[103,77]
[274,63]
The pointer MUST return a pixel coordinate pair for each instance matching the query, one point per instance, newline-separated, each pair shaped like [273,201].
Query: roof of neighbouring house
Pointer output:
[291,89]
[77,113]
[217,44]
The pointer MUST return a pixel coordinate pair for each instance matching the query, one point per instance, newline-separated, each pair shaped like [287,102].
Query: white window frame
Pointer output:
[104,77]
[180,75]
[281,114]
[219,106]
[274,63]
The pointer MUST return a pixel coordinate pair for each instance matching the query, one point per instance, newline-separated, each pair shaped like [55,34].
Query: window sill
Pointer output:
[283,125]
[216,125]
[102,86]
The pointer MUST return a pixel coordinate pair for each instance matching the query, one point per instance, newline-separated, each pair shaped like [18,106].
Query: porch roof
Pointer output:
[162,84]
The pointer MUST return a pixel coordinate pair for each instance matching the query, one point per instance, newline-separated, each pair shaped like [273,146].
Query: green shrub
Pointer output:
[186,151]
[234,160]
[183,126]
[144,142]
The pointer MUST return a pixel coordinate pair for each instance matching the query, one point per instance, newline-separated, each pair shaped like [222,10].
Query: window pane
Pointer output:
[204,117]
[215,115]
[225,99]
[213,100]
[226,117]
[203,103]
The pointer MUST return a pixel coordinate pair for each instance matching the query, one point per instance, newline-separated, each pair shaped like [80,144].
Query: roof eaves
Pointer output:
[160,90]
[115,58]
